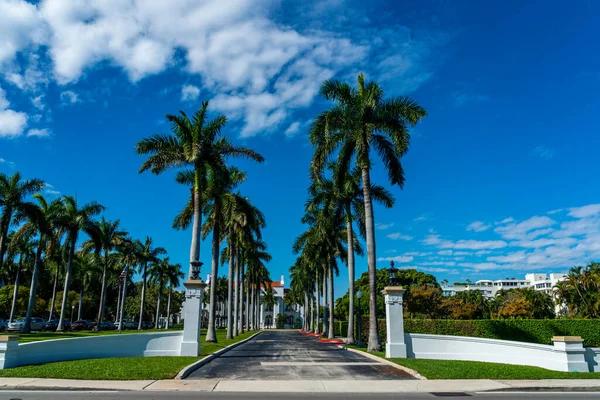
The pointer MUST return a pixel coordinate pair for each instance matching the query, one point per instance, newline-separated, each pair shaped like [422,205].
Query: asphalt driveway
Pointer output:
[281,355]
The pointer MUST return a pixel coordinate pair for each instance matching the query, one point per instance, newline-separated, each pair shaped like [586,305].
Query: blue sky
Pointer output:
[500,176]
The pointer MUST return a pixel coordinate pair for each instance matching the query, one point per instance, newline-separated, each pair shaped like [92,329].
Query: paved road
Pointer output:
[29,395]
[277,355]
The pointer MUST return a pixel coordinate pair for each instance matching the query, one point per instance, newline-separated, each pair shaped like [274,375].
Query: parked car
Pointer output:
[3,325]
[17,326]
[49,326]
[106,326]
[147,325]
[82,325]
[126,325]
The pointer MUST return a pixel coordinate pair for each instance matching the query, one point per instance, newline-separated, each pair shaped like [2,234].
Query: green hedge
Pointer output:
[521,330]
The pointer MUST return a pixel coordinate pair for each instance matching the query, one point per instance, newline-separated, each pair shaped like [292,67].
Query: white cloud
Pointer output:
[12,123]
[421,218]
[189,92]
[293,129]
[435,240]
[69,97]
[39,133]
[383,227]
[445,252]
[38,102]
[585,211]
[399,236]
[4,161]
[401,259]
[262,69]
[543,152]
[527,229]
[478,226]
[49,189]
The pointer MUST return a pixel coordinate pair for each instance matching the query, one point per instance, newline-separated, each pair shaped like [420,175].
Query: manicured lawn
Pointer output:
[450,369]
[36,336]
[135,368]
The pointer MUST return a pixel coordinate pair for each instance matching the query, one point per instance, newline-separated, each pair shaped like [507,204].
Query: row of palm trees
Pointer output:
[199,152]
[361,125]
[47,236]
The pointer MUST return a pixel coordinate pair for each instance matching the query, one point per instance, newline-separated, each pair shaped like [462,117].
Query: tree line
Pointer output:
[65,244]
[199,151]
[361,126]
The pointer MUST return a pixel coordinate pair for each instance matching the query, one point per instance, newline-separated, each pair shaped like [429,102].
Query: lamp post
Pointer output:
[72,311]
[393,275]
[358,296]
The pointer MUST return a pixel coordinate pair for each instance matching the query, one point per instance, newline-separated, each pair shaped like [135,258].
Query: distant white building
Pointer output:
[268,315]
[489,288]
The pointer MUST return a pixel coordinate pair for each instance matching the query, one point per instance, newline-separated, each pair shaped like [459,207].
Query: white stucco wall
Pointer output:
[443,347]
[124,345]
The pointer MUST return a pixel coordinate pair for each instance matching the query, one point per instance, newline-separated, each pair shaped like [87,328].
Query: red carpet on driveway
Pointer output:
[320,339]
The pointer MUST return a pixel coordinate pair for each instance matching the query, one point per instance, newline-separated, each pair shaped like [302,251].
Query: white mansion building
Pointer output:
[488,288]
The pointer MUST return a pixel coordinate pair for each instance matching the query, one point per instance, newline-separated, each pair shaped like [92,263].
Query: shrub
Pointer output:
[521,330]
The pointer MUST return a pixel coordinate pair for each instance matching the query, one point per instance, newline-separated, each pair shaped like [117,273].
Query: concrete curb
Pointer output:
[184,373]
[384,361]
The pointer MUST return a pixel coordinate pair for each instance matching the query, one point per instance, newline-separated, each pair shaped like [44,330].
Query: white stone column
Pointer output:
[395,347]
[571,352]
[190,346]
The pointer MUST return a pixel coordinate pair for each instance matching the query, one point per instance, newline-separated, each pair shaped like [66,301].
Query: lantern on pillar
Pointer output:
[195,273]
[393,279]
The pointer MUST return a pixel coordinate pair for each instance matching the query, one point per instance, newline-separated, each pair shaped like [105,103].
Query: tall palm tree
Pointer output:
[75,219]
[37,221]
[195,143]
[86,266]
[159,275]
[174,277]
[13,194]
[363,120]
[24,247]
[240,218]
[147,257]
[111,235]
[128,253]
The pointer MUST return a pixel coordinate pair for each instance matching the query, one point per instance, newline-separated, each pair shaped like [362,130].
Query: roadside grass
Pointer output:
[37,336]
[132,368]
[453,369]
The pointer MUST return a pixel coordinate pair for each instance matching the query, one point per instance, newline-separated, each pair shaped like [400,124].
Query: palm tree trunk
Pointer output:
[167,325]
[241,296]
[196,224]
[122,311]
[230,290]
[32,289]
[350,334]
[13,307]
[246,320]
[331,301]
[53,294]
[103,290]
[325,300]
[4,226]
[158,305]
[211,333]
[374,344]
[252,303]
[80,302]
[63,307]
[318,310]
[312,314]
[237,303]
[143,300]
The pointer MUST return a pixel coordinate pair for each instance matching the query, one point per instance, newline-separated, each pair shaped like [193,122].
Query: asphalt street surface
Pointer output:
[294,356]
[73,395]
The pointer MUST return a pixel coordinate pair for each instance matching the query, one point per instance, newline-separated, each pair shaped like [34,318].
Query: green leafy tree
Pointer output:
[147,256]
[361,121]
[579,293]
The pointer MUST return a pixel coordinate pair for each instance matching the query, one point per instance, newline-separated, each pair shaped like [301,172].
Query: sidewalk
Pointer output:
[314,386]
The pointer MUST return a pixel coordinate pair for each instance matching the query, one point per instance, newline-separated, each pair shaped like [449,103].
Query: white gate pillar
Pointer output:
[194,289]
[395,347]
